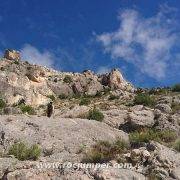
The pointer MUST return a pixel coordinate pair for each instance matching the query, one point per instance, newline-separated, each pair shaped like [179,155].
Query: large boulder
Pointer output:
[144,118]
[77,88]
[165,108]
[165,100]
[93,88]
[167,122]
[35,74]
[115,80]
[115,117]
[12,54]
[138,119]
[60,88]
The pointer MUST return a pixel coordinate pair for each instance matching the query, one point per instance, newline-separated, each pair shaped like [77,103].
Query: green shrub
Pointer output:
[52,97]
[104,151]
[16,62]
[95,114]
[159,91]
[177,145]
[62,96]
[148,135]
[107,91]
[84,101]
[144,99]
[175,107]
[99,94]
[27,109]
[34,152]
[113,97]
[22,152]
[120,145]
[67,79]
[167,136]
[76,96]
[176,88]
[2,103]
[2,69]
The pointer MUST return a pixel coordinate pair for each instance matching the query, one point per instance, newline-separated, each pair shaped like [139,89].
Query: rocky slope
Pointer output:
[21,80]
[97,119]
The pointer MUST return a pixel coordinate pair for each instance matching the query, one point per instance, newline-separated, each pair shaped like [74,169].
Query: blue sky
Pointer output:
[140,37]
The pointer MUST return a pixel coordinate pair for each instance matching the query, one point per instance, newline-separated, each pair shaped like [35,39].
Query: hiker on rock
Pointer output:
[2,137]
[50,109]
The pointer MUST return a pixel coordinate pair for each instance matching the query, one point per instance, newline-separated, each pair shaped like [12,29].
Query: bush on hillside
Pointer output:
[148,135]
[52,97]
[113,97]
[84,101]
[95,114]
[67,79]
[22,152]
[62,96]
[177,145]
[27,109]
[104,151]
[144,99]
[175,107]
[176,88]
[2,103]
[16,62]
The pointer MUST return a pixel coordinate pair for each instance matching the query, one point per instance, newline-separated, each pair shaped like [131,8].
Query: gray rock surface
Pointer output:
[143,118]
[118,174]
[64,137]
[165,108]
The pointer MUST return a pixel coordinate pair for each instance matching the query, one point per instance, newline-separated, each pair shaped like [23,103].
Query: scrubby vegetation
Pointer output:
[2,103]
[113,97]
[85,101]
[27,109]
[144,99]
[176,88]
[107,90]
[104,151]
[177,145]
[67,79]
[22,152]
[175,107]
[162,91]
[147,135]
[16,62]
[52,97]
[99,94]
[62,96]
[95,114]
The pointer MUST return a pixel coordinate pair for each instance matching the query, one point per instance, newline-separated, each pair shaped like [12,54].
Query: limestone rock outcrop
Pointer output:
[35,83]
[115,80]
[11,54]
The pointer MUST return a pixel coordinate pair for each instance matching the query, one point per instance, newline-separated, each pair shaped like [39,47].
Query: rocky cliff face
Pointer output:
[97,119]
[21,80]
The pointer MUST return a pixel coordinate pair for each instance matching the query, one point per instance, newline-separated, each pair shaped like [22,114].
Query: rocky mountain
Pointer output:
[97,119]
[32,83]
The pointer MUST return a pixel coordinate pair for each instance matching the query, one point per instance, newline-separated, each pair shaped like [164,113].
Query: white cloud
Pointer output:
[145,42]
[33,55]
[103,70]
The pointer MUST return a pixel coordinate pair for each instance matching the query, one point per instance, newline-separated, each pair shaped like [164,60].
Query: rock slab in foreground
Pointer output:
[62,136]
